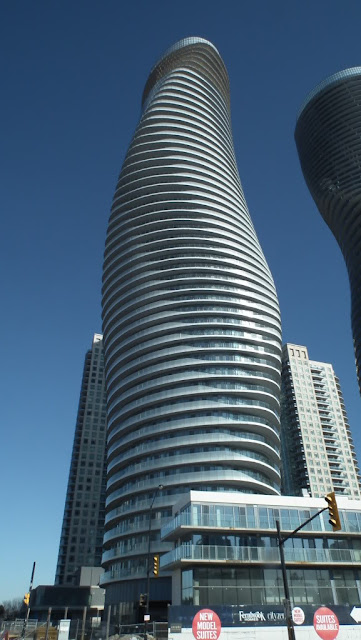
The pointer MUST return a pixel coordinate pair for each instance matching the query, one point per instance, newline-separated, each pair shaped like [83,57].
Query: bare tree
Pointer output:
[12,608]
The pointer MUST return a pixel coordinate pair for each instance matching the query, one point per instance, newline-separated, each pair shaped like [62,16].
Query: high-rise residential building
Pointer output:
[317,449]
[328,138]
[191,322]
[83,523]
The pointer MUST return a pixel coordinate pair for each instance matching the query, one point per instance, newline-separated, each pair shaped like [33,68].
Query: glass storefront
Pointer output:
[209,586]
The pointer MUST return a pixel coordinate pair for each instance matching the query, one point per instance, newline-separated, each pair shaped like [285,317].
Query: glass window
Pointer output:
[263,518]
[230,595]
[250,514]
[215,595]
[187,578]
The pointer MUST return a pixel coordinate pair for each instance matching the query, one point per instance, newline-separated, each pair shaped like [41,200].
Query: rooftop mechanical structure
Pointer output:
[328,139]
[191,321]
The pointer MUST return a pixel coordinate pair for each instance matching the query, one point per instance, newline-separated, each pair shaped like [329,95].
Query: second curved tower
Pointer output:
[328,139]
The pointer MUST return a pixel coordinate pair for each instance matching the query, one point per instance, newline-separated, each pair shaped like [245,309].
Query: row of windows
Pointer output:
[188,385]
[251,517]
[207,400]
[173,472]
[184,420]
[140,503]
[238,586]
[162,457]
[265,542]
[184,433]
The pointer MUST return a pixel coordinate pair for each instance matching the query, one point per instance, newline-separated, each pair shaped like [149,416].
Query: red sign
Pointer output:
[326,623]
[206,625]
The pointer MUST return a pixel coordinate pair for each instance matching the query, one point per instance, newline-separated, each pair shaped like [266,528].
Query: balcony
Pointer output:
[257,555]
[138,527]
[173,528]
[140,549]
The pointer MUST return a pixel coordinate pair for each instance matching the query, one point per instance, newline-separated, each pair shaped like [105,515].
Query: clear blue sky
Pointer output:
[72,75]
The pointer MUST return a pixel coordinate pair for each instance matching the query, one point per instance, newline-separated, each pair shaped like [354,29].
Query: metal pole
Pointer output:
[47,624]
[66,613]
[287,602]
[23,633]
[108,622]
[148,554]
[83,624]
[148,557]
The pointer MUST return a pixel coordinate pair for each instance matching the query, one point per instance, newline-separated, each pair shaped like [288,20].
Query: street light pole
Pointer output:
[159,488]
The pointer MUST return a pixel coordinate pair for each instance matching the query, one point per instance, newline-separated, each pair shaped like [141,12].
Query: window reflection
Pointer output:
[242,585]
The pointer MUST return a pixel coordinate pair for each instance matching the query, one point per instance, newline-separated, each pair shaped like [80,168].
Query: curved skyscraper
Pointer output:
[328,138]
[190,317]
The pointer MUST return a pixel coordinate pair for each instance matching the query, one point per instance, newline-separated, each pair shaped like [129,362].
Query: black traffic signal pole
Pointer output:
[159,488]
[23,633]
[148,553]
[287,601]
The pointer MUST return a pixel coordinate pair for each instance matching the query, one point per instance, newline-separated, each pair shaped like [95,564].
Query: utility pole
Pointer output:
[27,602]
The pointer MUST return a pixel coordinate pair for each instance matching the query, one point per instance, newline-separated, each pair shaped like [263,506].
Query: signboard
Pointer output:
[263,622]
[326,623]
[206,625]
[298,615]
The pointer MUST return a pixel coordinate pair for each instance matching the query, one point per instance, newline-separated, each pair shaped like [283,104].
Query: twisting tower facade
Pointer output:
[190,317]
[328,139]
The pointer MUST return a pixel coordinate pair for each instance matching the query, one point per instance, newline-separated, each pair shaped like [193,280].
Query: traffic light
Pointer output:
[156,565]
[334,519]
[26,599]
[142,599]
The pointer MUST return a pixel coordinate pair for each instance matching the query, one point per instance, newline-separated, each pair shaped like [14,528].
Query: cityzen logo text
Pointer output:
[206,625]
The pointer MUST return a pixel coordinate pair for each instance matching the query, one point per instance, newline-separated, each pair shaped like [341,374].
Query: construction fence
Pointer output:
[80,630]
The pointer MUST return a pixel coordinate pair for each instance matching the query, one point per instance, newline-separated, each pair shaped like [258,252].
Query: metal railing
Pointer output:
[155,630]
[258,521]
[260,555]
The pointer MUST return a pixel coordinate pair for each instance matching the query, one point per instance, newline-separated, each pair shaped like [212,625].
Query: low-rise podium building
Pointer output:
[226,551]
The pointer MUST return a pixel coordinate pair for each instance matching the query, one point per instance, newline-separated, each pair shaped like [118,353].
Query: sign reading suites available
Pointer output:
[206,625]
[326,623]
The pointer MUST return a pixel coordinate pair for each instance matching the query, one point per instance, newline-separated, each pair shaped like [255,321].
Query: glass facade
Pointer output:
[83,523]
[191,319]
[258,517]
[318,454]
[328,139]
[228,553]
[210,586]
